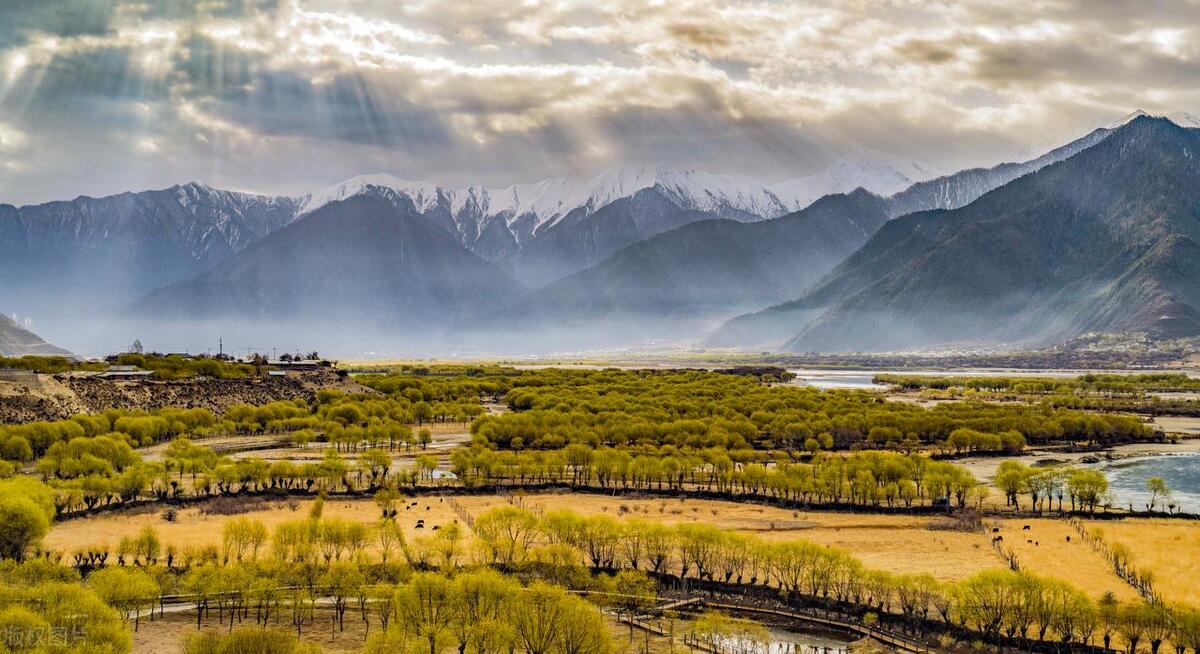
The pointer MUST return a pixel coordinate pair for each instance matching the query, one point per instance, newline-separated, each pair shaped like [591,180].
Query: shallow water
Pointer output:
[1127,480]
[861,379]
[849,379]
[784,641]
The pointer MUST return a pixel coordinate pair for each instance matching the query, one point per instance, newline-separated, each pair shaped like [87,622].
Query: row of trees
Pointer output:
[87,473]
[865,478]
[1085,488]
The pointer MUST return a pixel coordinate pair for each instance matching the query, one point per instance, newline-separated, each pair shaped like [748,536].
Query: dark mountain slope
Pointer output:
[1105,240]
[962,188]
[358,260]
[16,341]
[708,269]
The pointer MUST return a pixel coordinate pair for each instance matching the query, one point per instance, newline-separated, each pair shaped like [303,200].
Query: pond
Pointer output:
[1127,480]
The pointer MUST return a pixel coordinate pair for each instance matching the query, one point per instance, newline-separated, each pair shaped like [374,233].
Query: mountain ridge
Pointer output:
[1100,241]
[392,268]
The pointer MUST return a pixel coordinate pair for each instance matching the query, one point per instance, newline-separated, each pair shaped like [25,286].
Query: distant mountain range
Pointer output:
[675,284]
[1106,240]
[652,253]
[16,341]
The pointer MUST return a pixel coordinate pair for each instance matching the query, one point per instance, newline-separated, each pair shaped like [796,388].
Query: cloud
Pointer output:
[12,140]
[279,94]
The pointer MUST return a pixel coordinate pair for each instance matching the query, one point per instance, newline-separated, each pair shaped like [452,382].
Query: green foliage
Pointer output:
[49,365]
[179,367]
[26,510]
[552,408]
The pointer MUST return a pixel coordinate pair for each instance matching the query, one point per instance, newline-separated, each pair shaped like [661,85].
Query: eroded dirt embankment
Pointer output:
[60,397]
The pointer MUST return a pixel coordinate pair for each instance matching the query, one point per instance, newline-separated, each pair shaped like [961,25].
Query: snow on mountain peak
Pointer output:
[873,171]
[424,195]
[552,199]
[1180,118]
[529,208]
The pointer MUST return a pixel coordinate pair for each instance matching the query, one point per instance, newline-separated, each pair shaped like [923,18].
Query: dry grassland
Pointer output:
[1051,555]
[193,528]
[1170,549]
[900,544]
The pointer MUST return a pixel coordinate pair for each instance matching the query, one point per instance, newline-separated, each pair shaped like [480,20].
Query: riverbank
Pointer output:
[984,468]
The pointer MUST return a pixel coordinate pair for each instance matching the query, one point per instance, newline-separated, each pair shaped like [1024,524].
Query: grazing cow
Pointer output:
[1029,541]
[1025,528]
[995,530]
[419,527]
[435,527]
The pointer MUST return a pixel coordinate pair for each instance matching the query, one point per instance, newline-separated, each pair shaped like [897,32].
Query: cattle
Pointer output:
[1068,539]
[1025,528]
[995,530]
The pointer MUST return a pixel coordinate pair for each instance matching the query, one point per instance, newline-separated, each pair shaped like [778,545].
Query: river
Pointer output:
[1127,480]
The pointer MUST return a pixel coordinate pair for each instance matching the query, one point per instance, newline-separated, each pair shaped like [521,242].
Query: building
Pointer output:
[128,373]
[295,365]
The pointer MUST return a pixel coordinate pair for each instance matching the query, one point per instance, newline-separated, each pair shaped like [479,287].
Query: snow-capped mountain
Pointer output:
[873,171]
[110,249]
[554,227]
[544,203]
[1181,118]
[505,225]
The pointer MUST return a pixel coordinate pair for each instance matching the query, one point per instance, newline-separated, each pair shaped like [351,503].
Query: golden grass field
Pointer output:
[1051,555]
[1170,549]
[896,543]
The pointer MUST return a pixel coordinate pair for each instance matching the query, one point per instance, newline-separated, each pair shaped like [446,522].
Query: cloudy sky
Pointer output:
[99,96]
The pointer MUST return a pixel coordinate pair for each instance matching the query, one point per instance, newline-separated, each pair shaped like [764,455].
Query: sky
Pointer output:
[285,96]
